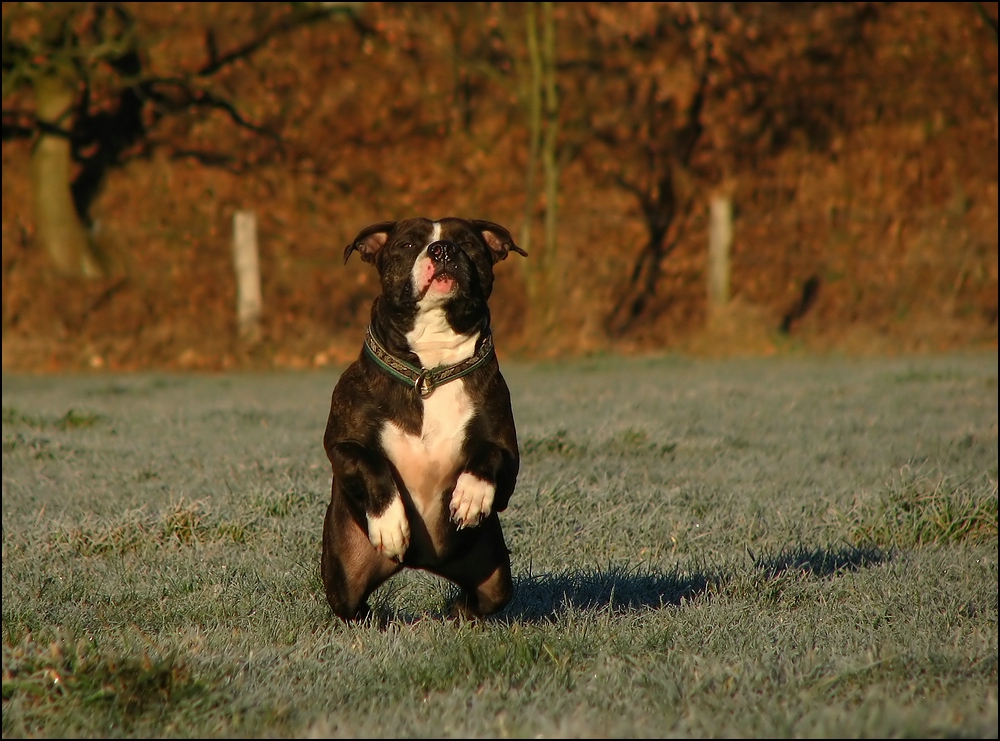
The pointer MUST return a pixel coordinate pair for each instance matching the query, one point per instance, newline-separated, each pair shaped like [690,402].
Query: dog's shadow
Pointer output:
[544,597]
[820,562]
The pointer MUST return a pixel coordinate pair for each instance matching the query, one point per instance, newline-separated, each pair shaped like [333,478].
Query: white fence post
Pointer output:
[247,263]
[720,239]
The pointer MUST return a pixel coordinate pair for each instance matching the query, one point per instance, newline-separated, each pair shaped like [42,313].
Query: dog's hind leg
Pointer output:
[351,567]
[483,574]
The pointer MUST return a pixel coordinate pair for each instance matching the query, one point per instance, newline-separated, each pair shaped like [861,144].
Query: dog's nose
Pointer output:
[441,251]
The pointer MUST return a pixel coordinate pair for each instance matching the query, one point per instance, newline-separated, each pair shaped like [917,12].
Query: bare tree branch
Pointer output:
[299,17]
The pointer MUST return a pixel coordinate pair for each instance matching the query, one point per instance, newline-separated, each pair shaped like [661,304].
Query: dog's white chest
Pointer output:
[429,463]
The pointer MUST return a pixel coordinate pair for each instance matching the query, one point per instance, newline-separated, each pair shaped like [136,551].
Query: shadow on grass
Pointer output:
[619,589]
[820,561]
[546,596]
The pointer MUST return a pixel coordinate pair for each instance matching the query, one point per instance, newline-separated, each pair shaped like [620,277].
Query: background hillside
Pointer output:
[858,143]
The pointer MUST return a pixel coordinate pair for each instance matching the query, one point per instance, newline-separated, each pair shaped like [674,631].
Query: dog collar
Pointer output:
[423,380]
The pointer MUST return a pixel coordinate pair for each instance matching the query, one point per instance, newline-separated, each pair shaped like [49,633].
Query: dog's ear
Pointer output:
[370,240]
[497,239]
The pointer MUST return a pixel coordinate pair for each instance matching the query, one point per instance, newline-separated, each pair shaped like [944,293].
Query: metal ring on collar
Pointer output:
[423,385]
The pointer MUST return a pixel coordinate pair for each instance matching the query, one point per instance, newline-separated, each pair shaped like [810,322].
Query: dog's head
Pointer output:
[425,265]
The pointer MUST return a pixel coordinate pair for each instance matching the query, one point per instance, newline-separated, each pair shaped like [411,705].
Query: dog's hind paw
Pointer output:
[389,532]
[472,500]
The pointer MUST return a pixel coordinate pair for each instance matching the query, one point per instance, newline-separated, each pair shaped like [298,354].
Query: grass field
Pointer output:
[780,547]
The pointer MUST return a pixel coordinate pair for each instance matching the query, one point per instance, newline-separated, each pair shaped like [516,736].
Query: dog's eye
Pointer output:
[406,246]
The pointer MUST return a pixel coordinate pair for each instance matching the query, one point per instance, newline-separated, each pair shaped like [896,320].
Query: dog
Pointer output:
[421,434]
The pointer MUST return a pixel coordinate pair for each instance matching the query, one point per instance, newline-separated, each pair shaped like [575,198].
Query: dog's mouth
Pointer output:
[440,281]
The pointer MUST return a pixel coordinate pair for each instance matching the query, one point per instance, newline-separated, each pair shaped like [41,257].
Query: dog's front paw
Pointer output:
[389,532]
[472,500]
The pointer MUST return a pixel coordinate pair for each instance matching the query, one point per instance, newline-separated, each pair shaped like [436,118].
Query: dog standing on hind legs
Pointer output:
[421,434]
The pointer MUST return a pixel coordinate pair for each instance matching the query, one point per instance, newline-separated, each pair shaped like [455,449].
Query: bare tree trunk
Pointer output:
[662,206]
[542,272]
[550,160]
[246,261]
[534,101]
[60,231]
[659,211]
